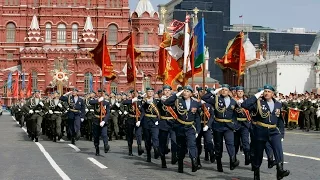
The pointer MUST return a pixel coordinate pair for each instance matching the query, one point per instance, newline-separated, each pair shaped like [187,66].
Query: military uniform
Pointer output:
[19,114]
[89,116]
[306,107]
[223,125]
[115,107]
[56,109]
[267,126]
[187,126]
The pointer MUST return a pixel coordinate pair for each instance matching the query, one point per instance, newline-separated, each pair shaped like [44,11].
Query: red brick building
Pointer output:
[50,34]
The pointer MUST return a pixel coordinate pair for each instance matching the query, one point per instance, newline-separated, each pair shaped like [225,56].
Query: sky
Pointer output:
[278,14]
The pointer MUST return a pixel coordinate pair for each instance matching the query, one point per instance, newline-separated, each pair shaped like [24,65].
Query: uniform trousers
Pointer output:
[98,131]
[208,144]
[228,136]
[57,123]
[74,126]
[186,140]
[242,136]
[132,129]
[36,120]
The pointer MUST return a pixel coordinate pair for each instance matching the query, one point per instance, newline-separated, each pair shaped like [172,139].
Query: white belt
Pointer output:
[57,112]
[91,110]
[37,111]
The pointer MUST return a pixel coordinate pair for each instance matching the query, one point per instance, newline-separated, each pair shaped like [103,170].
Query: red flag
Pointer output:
[293,115]
[29,85]
[101,57]
[234,57]
[131,66]
[15,88]
[21,94]
[163,55]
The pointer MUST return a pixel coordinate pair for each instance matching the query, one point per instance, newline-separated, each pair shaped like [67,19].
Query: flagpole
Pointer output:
[240,55]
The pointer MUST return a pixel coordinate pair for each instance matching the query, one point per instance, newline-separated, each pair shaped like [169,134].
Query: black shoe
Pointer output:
[256,174]
[148,156]
[247,159]
[212,157]
[73,141]
[280,172]
[163,162]
[199,163]
[97,151]
[59,137]
[55,139]
[180,165]
[174,158]
[140,150]
[36,140]
[219,165]
[130,151]
[271,163]
[156,153]
[234,163]
[206,156]
[106,148]
[194,164]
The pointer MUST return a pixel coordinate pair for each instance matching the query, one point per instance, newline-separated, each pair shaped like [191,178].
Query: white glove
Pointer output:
[113,111]
[19,109]
[143,95]
[197,135]
[125,112]
[156,123]
[149,101]
[179,93]
[138,123]
[281,139]
[60,105]
[134,100]
[67,93]
[41,103]
[195,99]
[87,110]
[50,111]
[205,128]
[101,99]
[31,111]
[203,102]
[216,91]
[117,104]
[82,119]
[66,111]
[163,98]
[120,112]
[102,123]
[258,95]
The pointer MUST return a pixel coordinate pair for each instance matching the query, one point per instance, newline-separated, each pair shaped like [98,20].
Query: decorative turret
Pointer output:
[315,48]
[34,32]
[88,35]
[145,6]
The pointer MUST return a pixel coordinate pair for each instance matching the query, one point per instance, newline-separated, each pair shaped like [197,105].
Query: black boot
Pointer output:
[156,153]
[163,162]
[54,138]
[97,151]
[271,163]
[199,163]
[219,165]
[140,150]
[73,141]
[130,151]
[234,163]
[206,155]
[247,159]
[180,165]
[194,164]
[256,174]
[280,172]
[212,157]
[36,139]
[148,156]
[106,148]
[174,158]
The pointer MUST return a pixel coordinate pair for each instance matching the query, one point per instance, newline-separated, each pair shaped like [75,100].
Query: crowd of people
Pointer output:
[183,120]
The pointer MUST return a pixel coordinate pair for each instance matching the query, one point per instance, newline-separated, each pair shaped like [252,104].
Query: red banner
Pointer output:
[293,115]
[29,85]
[101,57]
[15,88]
[163,55]
[131,66]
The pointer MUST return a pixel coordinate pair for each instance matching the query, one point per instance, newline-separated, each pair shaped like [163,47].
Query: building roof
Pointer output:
[315,45]
[249,49]
[34,23]
[144,6]
[88,25]
[200,80]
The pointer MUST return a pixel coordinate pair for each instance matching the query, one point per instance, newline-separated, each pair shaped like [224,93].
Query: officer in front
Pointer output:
[223,124]
[267,126]
[187,126]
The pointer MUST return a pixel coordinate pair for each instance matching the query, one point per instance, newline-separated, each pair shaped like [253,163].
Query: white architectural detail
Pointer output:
[315,48]
[34,23]
[145,6]
[249,49]
[88,25]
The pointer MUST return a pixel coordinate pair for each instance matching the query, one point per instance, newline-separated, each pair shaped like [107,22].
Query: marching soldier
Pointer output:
[268,126]
[89,115]
[187,126]
[150,124]
[165,127]
[19,114]
[243,126]
[100,121]
[115,107]
[76,113]
[313,110]
[223,124]
[35,107]
[122,117]
[55,109]
[133,122]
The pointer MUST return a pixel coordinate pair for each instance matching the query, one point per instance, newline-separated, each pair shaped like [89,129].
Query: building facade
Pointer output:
[42,36]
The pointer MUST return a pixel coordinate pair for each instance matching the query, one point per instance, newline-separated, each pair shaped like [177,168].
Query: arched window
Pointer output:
[34,77]
[88,3]
[48,33]
[5,89]
[147,82]
[88,82]
[11,32]
[74,33]
[114,87]
[145,38]
[112,34]
[61,34]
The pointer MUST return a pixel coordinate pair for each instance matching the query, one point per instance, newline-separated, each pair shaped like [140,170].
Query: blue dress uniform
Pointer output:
[267,126]
[165,127]
[150,127]
[223,126]
[100,123]
[206,115]
[76,112]
[243,126]
[134,115]
[187,127]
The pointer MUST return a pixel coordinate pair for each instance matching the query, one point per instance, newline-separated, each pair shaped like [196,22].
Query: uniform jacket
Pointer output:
[31,105]
[79,106]
[96,106]
[150,109]
[132,106]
